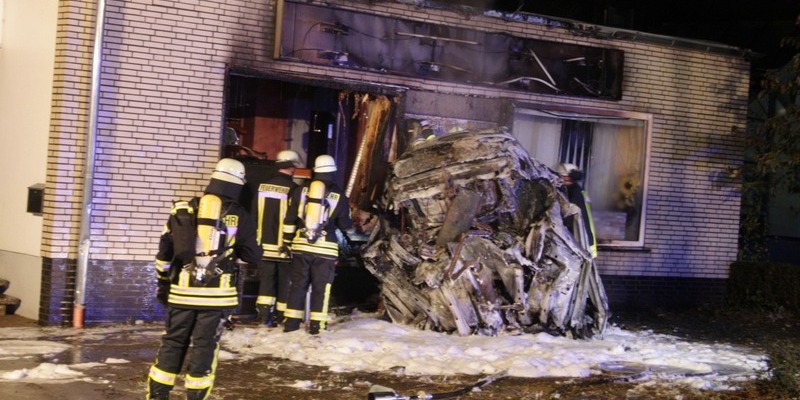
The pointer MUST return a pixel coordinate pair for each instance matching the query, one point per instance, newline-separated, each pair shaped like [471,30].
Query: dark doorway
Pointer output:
[265,115]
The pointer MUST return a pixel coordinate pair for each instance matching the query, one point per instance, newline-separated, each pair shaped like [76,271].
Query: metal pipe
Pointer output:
[437,38]
[85,241]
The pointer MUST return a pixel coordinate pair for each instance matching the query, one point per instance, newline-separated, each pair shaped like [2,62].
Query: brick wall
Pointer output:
[58,292]
[161,114]
[649,292]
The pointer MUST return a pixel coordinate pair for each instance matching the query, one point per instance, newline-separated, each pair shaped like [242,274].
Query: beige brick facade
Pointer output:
[161,116]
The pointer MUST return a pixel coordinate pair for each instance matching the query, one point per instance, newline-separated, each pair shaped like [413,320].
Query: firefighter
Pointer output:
[272,201]
[570,177]
[316,211]
[199,286]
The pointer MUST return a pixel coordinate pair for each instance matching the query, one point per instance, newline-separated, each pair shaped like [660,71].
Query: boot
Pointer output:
[313,328]
[157,391]
[291,324]
[197,394]
[267,315]
[271,321]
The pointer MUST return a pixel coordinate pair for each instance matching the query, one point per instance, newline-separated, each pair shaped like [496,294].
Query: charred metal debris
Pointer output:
[472,240]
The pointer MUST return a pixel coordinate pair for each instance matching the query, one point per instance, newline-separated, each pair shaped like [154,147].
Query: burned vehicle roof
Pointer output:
[471,239]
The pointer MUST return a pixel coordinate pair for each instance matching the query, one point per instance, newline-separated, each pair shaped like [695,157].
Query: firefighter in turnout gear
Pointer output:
[197,271]
[315,212]
[272,202]
[570,177]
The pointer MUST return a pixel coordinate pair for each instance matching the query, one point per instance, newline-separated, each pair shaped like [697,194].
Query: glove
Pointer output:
[284,249]
[162,291]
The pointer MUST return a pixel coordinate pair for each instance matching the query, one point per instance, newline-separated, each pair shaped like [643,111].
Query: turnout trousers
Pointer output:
[318,272]
[202,330]
[273,287]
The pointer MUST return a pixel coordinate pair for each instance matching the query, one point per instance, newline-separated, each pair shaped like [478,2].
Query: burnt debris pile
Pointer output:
[472,240]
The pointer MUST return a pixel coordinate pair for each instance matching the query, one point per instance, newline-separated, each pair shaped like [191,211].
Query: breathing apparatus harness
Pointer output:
[315,219]
[211,232]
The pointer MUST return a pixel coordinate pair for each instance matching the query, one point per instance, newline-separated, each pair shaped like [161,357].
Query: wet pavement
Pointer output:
[114,362]
[102,351]
[93,348]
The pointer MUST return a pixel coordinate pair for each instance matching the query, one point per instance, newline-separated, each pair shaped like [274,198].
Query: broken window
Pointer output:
[342,38]
[610,148]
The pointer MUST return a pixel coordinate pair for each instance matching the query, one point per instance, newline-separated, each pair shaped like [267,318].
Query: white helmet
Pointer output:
[229,170]
[324,163]
[564,169]
[288,158]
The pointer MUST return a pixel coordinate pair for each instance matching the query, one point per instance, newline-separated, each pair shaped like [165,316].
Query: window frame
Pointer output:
[590,113]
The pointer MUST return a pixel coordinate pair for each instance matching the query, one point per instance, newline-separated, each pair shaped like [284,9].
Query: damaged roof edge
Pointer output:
[579,28]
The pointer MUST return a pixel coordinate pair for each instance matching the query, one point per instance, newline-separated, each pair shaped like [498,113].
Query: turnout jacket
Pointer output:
[220,292]
[337,211]
[578,196]
[272,203]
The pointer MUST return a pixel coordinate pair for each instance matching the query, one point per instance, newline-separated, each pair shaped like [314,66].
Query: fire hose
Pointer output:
[378,392]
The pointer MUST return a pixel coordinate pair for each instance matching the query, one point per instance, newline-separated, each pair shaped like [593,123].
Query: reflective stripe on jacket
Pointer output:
[272,204]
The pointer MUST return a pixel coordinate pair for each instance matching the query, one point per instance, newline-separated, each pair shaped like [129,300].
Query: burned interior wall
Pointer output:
[474,108]
[348,39]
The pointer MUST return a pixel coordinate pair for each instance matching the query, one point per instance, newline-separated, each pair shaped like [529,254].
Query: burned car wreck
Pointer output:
[471,239]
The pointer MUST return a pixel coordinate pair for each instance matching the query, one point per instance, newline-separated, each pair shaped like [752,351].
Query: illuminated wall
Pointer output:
[27,52]
[162,102]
